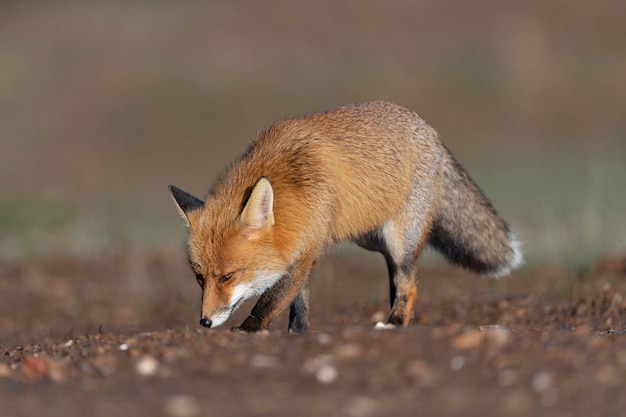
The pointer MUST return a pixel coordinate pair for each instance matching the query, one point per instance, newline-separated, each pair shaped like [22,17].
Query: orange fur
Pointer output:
[374,173]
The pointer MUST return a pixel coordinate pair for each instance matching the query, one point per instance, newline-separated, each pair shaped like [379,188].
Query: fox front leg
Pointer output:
[290,291]
[299,312]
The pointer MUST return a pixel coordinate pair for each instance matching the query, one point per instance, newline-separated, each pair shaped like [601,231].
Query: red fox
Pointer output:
[373,173]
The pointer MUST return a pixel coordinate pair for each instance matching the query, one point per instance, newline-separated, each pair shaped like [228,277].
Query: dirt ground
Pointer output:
[119,336]
[102,104]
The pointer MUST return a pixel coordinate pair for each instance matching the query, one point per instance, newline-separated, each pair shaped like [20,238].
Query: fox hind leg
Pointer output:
[402,292]
[401,240]
[401,253]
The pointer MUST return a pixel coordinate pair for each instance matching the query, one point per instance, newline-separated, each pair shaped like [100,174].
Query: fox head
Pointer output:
[231,249]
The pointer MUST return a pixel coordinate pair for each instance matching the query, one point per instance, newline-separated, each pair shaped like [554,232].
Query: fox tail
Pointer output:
[467,230]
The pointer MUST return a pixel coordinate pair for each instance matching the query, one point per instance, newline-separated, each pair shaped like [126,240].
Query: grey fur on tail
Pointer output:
[467,229]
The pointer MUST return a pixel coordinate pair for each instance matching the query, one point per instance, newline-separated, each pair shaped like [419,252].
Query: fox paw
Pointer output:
[242,329]
[250,325]
[248,331]
[239,329]
[385,326]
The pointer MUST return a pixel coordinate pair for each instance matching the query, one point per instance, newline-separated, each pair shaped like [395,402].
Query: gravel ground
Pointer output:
[557,349]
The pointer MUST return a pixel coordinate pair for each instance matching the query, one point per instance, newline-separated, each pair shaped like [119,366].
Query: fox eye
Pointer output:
[225,278]
[200,279]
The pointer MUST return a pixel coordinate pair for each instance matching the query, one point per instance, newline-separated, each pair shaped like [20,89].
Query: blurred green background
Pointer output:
[103,104]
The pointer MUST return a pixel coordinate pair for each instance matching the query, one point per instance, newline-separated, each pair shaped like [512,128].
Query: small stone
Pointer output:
[68,343]
[181,405]
[541,381]
[123,347]
[312,365]
[327,374]
[496,335]
[324,339]
[147,365]
[264,361]
[348,351]
[36,367]
[322,367]
[457,363]
[469,339]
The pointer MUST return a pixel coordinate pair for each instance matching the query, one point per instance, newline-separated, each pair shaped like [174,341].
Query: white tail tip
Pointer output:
[516,260]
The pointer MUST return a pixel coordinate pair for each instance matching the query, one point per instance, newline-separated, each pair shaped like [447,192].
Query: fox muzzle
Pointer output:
[206,323]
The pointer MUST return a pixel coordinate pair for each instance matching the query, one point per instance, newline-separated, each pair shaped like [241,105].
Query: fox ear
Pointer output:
[185,202]
[258,213]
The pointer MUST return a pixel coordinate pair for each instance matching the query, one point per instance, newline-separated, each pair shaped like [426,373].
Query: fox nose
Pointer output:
[205,322]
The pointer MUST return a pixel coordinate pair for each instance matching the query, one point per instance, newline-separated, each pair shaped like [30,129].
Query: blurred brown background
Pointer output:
[102,104]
